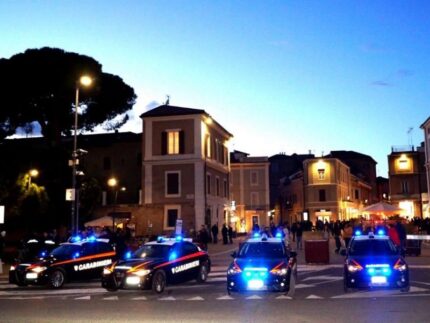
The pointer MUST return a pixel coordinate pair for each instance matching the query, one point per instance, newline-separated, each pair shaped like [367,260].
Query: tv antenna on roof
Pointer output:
[410,136]
[168,100]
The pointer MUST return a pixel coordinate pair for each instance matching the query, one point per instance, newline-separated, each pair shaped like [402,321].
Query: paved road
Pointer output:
[318,297]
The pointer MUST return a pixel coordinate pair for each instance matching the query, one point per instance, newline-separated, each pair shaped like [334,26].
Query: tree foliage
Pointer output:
[39,85]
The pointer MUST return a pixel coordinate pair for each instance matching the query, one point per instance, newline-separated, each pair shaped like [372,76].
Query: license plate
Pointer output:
[256,284]
[378,280]
[31,275]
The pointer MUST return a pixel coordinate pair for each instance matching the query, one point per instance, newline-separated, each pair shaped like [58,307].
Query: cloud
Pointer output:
[381,83]
[403,73]
[373,48]
[151,105]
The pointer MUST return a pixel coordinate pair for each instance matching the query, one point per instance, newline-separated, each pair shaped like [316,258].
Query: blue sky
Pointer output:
[282,76]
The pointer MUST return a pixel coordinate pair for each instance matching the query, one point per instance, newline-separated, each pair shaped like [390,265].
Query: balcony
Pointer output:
[404,148]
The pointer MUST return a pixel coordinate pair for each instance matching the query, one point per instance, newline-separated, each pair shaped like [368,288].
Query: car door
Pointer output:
[191,262]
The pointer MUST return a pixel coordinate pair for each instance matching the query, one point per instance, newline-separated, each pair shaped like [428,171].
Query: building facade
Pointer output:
[250,192]
[185,170]
[407,179]
[426,195]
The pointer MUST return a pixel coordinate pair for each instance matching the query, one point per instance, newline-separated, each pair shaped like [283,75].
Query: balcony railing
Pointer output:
[399,149]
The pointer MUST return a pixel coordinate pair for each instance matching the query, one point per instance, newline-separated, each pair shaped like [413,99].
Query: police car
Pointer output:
[157,264]
[262,263]
[34,249]
[76,260]
[373,261]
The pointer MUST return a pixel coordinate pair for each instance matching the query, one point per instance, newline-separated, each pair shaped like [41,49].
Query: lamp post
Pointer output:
[113,182]
[84,81]
[32,173]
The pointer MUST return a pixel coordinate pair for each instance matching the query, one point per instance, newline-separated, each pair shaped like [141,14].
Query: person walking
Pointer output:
[224,233]
[347,234]
[294,230]
[204,237]
[337,235]
[299,235]
[214,230]
[401,231]
[230,234]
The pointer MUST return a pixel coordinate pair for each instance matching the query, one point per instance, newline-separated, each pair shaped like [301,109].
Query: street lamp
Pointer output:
[83,81]
[113,182]
[32,173]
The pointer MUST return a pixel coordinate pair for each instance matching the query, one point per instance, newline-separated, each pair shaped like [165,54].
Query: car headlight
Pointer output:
[38,269]
[354,266]
[400,265]
[234,269]
[12,268]
[280,271]
[142,272]
[106,271]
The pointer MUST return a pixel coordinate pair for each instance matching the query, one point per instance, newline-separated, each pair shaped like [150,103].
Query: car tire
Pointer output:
[405,289]
[203,273]
[57,279]
[159,281]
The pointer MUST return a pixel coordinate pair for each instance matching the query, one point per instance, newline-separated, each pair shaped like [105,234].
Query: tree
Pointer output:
[39,86]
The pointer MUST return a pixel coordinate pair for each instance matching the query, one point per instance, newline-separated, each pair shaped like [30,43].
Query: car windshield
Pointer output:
[66,251]
[374,247]
[262,250]
[152,251]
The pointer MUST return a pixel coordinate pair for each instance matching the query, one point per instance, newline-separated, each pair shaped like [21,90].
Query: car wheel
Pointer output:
[57,279]
[203,274]
[405,289]
[159,282]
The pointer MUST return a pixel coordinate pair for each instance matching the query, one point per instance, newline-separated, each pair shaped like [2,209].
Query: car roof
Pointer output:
[367,237]
[168,241]
[85,241]
[269,240]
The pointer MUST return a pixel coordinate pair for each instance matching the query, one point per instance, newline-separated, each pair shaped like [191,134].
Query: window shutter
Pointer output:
[181,142]
[164,143]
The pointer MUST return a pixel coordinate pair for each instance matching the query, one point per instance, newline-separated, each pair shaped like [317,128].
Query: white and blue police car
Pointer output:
[157,264]
[373,261]
[262,264]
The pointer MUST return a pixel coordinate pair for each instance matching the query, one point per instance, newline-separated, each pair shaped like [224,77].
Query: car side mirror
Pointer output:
[343,252]
[293,254]
[234,254]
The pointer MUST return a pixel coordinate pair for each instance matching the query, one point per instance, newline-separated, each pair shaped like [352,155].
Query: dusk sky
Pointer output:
[282,76]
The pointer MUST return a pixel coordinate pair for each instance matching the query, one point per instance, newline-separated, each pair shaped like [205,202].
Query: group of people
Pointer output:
[205,237]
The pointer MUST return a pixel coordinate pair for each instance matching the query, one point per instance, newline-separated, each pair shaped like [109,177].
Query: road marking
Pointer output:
[254,297]
[168,298]
[225,297]
[217,279]
[314,297]
[211,274]
[323,277]
[284,297]
[140,298]
[54,292]
[110,298]
[197,298]
[84,298]
[304,286]
[222,252]
[418,282]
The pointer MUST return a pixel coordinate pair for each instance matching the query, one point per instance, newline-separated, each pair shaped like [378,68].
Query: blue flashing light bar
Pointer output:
[278,235]
[381,232]
[76,239]
[179,238]
[127,255]
[160,239]
[357,233]
[256,235]
[43,254]
[92,238]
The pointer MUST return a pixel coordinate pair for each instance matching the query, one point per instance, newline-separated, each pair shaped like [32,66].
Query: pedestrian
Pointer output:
[214,230]
[286,234]
[230,234]
[347,234]
[204,237]
[337,235]
[394,236]
[224,233]
[294,230]
[401,231]
[299,235]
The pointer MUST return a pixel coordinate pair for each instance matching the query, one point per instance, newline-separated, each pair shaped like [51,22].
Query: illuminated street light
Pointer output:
[32,173]
[113,182]
[85,81]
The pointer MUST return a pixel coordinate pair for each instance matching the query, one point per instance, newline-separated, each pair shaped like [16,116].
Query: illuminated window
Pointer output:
[172,142]
[208,147]
[321,173]
[403,163]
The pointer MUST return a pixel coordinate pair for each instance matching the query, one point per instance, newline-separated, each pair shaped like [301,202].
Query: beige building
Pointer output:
[185,170]
[331,192]
[250,192]
[407,179]
[426,195]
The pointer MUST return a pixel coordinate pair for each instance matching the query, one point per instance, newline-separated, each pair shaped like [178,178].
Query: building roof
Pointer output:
[348,154]
[171,110]
[425,123]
